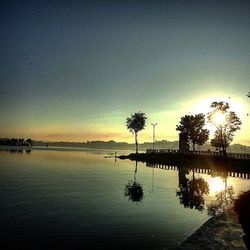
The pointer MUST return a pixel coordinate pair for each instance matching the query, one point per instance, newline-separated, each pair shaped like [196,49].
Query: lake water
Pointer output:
[67,198]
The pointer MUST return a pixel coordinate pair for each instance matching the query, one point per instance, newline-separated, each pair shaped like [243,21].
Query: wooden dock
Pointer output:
[230,162]
[198,153]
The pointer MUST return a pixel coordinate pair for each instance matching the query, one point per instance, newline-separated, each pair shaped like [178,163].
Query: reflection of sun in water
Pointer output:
[216,184]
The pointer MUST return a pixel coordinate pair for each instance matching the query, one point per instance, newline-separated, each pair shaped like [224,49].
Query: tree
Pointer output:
[29,142]
[192,126]
[21,142]
[217,141]
[226,123]
[248,95]
[135,123]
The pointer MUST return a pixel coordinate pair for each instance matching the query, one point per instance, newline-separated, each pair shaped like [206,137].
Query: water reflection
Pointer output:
[17,150]
[64,196]
[134,190]
[191,191]
[206,188]
[224,198]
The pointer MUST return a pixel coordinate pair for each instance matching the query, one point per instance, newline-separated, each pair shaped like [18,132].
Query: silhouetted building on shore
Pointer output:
[183,142]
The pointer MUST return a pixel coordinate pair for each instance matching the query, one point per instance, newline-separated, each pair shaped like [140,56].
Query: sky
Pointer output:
[74,70]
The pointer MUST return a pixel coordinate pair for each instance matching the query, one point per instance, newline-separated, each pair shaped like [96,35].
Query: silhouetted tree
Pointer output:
[192,126]
[13,142]
[16,142]
[225,128]
[135,123]
[217,141]
[29,142]
[248,95]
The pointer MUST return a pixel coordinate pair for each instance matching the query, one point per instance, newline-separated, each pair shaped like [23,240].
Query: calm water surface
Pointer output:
[76,199]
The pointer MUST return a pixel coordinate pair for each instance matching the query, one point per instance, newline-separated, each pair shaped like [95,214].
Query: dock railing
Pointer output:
[205,153]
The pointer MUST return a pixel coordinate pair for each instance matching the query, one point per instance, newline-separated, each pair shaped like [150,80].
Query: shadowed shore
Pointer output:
[222,232]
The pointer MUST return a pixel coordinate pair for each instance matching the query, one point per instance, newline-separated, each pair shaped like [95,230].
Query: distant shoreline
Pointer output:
[164,144]
[54,148]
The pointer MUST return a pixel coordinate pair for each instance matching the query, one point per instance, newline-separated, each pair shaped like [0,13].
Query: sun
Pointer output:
[218,118]
[202,105]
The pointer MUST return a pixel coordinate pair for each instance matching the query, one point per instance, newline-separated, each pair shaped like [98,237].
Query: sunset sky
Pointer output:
[74,70]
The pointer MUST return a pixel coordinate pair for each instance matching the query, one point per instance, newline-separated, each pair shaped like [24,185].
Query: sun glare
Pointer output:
[203,105]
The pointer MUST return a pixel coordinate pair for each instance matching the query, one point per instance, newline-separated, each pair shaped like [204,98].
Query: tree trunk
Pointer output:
[193,146]
[224,145]
[136,144]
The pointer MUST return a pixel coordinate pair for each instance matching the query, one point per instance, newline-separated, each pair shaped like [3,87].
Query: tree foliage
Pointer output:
[135,123]
[16,142]
[193,127]
[225,129]
[248,95]
[217,140]
[134,191]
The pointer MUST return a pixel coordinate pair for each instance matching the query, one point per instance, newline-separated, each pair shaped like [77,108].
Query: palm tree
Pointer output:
[135,123]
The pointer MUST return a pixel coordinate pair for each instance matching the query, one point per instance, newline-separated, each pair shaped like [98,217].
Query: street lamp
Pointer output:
[154,124]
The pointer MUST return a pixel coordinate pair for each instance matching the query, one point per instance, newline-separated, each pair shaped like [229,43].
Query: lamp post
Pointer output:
[154,124]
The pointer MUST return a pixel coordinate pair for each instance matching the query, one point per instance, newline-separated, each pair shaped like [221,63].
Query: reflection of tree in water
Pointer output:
[134,190]
[224,200]
[191,192]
